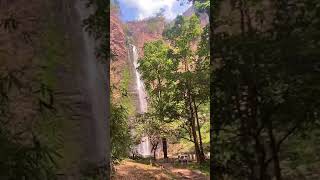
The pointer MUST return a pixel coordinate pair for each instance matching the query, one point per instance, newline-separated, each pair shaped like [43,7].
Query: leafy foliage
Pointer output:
[203,5]
[98,25]
[175,75]
[120,134]
[158,74]
[18,159]
[263,87]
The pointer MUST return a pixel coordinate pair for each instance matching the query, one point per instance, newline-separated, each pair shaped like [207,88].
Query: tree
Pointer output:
[149,125]
[203,5]
[120,134]
[175,76]
[183,37]
[262,86]
[157,71]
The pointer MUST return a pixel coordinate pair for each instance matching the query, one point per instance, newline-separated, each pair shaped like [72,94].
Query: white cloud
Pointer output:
[148,8]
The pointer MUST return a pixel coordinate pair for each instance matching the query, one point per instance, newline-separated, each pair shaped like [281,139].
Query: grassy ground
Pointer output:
[130,169]
[142,169]
[203,168]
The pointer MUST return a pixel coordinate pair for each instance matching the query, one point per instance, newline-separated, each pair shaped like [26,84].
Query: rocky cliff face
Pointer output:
[146,30]
[119,50]
[204,18]
[18,41]
[44,47]
[151,29]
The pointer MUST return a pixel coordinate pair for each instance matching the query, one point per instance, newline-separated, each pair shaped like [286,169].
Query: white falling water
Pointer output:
[144,147]
[96,128]
[139,83]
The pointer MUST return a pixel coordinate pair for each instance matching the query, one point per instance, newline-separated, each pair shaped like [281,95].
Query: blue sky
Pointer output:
[141,9]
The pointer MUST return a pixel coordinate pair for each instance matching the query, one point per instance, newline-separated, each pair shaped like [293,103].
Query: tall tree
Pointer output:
[157,71]
[183,36]
[263,87]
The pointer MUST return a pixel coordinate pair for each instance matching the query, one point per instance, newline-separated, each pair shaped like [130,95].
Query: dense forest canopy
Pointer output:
[174,75]
[265,89]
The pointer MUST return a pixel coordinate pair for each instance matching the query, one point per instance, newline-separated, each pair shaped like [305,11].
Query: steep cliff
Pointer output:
[119,51]
[59,92]
[204,18]
[146,30]
[152,28]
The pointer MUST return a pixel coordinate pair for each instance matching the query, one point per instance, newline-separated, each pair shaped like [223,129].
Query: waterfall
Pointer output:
[144,147]
[139,83]
[95,126]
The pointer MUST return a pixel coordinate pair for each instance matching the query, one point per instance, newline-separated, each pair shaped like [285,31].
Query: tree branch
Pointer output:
[286,136]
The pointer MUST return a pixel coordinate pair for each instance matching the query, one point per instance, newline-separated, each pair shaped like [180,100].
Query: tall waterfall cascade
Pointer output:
[144,148]
[139,83]
[96,129]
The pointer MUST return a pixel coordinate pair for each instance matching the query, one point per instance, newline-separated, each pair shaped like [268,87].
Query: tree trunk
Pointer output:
[193,129]
[261,155]
[154,151]
[196,145]
[165,148]
[202,157]
[275,156]
[188,104]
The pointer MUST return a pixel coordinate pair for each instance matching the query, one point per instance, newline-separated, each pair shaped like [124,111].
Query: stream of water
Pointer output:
[144,148]
[139,83]
[95,132]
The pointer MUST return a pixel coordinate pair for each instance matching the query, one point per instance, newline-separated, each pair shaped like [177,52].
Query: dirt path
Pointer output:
[131,170]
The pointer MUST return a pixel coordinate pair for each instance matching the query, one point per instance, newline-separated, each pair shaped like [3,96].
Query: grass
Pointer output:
[145,161]
[203,168]
[140,169]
